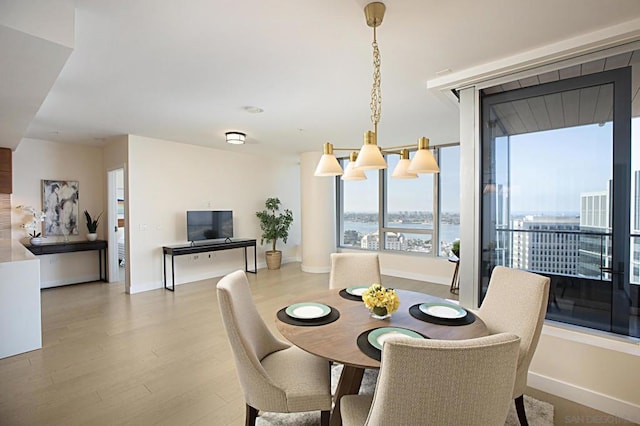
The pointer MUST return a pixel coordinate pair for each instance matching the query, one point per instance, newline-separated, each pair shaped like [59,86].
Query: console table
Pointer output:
[192,248]
[74,246]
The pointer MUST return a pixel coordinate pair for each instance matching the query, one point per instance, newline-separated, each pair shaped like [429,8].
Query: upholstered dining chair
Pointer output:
[349,269]
[274,376]
[516,302]
[439,382]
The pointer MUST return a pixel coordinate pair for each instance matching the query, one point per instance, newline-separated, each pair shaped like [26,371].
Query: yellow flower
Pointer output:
[378,296]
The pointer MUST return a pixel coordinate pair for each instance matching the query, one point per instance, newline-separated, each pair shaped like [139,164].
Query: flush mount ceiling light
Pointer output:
[235,138]
[370,155]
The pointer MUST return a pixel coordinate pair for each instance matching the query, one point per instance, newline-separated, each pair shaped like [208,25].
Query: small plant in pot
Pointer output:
[275,225]
[455,248]
[92,226]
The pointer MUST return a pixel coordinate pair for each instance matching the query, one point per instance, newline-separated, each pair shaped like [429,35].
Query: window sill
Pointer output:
[597,338]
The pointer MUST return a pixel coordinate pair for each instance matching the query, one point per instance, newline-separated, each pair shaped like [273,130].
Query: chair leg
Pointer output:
[522,416]
[251,416]
[324,418]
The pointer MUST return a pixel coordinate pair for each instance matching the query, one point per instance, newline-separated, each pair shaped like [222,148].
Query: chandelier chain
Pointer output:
[376,93]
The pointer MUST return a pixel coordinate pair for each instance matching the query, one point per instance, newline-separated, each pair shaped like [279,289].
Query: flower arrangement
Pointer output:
[34,226]
[381,301]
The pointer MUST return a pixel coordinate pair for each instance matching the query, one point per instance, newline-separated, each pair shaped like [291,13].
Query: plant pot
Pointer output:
[35,241]
[274,259]
[380,313]
[92,237]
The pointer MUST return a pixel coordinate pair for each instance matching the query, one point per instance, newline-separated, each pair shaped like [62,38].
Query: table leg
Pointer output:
[349,384]
[164,269]
[173,275]
[455,281]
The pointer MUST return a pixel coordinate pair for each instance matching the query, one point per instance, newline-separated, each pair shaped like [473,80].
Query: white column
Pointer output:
[469,200]
[317,198]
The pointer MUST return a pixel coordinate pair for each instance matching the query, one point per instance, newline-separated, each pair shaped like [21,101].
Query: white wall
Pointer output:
[35,160]
[165,179]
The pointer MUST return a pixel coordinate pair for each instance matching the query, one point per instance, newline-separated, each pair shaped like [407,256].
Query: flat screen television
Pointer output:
[209,225]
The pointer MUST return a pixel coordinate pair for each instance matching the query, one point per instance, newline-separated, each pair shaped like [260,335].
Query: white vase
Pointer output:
[35,241]
[92,237]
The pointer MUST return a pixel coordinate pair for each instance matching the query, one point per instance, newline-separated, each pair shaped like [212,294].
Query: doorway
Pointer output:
[117,226]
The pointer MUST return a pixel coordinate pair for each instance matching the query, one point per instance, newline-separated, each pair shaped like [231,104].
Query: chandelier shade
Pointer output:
[351,172]
[402,169]
[370,156]
[423,160]
[328,164]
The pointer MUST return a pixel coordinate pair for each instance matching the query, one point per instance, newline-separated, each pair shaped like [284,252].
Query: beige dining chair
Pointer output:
[439,382]
[349,269]
[516,302]
[274,375]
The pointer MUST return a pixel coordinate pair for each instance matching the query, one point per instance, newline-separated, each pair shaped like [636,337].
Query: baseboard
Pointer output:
[436,279]
[69,281]
[148,286]
[391,272]
[616,407]
[315,269]
[139,288]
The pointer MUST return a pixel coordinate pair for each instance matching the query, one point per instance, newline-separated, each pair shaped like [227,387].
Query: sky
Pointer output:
[408,194]
[550,169]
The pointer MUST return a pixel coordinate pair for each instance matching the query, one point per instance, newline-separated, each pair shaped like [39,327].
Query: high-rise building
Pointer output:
[595,228]
[546,244]
[395,241]
[635,241]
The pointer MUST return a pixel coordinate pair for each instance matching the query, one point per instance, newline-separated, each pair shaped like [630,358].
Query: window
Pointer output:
[548,155]
[410,208]
[360,201]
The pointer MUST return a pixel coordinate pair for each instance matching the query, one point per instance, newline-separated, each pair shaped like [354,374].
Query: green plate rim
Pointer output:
[348,289]
[376,332]
[462,311]
[289,310]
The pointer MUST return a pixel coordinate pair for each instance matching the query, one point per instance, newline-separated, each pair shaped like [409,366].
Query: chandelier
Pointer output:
[370,156]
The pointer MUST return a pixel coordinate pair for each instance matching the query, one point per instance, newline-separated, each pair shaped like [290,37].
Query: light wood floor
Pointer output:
[155,357]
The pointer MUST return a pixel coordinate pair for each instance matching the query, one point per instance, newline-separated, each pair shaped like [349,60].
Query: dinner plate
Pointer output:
[356,290]
[308,310]
[443,310]
[379,335]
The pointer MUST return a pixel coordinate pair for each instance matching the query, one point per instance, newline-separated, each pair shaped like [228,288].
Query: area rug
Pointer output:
[539,413]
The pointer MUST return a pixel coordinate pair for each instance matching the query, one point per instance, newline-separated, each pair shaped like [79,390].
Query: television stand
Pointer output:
[191,248]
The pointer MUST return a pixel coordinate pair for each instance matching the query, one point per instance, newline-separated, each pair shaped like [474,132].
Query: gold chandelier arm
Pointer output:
[346,149]
[411,147]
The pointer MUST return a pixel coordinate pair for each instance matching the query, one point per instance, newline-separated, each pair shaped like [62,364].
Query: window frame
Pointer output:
[383,176]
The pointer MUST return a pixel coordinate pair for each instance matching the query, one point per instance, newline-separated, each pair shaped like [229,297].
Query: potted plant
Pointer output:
[92,226]
[275,225]
[455,248]
[34,226]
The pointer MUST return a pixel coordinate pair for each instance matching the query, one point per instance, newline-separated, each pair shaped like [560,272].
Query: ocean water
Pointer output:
[448,232]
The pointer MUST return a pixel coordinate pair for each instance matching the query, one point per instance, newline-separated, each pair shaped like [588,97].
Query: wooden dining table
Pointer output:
[337,341]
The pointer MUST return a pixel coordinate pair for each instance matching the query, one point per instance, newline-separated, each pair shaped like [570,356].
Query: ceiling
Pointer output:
[185,71]
[570,108]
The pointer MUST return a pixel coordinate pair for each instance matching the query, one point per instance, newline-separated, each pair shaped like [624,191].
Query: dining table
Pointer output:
[341,336]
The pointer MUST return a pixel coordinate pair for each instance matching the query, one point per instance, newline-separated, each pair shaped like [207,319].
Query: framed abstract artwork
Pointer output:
[60,207]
